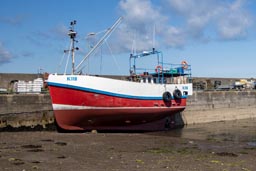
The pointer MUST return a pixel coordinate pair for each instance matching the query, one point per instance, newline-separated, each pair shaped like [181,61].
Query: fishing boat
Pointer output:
[145,100]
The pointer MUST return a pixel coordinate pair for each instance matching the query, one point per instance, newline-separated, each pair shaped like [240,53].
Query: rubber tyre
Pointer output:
[167,97]
[177,94]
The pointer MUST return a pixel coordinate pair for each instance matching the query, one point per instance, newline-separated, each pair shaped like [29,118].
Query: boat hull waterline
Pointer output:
[82,102]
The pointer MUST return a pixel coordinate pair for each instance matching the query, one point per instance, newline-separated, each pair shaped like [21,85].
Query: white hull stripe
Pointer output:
[73,107]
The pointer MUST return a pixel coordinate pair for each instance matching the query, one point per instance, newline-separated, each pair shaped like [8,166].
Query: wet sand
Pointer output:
[220,146]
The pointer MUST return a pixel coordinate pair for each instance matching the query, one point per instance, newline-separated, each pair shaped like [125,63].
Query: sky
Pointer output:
[216,37]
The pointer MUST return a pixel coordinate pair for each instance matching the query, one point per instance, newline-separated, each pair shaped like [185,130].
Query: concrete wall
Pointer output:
[28,110]
[18,110]
[213,106]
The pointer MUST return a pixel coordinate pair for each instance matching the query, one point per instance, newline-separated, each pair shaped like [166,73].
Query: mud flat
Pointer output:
[228,146]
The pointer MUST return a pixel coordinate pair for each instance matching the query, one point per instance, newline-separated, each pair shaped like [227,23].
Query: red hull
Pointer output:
[82,98]
[104,112]
[116,119]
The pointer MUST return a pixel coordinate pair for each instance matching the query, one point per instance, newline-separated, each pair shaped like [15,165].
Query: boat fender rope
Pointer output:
[167,97]
[177,94]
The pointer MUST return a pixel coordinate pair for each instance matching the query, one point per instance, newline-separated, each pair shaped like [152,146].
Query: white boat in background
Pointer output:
[146,100]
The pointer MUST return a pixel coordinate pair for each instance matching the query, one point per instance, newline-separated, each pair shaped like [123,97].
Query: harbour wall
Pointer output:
[30,110]
[211,106]
[25,110]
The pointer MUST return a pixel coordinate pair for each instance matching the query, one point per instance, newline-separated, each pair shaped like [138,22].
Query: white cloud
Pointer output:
[228,19]
[139,13]
[5,55]
[179,22]
[13,20]
[140,18]
[60,31]
[234,22]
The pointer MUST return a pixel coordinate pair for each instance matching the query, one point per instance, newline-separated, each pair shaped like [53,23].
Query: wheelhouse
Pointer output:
[163,73]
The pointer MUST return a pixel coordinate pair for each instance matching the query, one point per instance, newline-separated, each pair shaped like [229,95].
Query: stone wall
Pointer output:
[27,110]
[214,106]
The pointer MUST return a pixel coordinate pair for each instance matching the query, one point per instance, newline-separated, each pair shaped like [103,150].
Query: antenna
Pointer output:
[134,45]
[154,35]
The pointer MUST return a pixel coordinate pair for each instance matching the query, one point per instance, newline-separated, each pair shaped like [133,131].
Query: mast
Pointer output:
[72,35]
[99,43]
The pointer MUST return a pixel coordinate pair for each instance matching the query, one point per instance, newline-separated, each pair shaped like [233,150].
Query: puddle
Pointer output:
[227,154]
[35,150]
[61,157]
[235,131]
[15,161]
[253,144]
[61,143]
[36,162]
[47,140]
[31,146]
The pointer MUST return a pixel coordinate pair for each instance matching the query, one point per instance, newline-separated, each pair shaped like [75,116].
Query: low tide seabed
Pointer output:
[222,146]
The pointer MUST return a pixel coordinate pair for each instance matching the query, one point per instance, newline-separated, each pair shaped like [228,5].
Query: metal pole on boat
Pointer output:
[100,42]
[72,35]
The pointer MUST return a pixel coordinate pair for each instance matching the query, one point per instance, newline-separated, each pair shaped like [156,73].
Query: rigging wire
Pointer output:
[61,61]
[106,36]
[91,36]
[62,58]
[68,57]
[119,69]
[101,60]
[88,63]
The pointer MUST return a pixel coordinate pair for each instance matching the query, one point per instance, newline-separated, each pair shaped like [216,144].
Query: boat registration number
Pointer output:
[184,87]
[71,78]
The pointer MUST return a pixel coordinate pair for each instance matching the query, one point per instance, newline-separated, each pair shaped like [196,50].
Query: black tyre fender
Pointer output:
[167,97]
[177,94]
